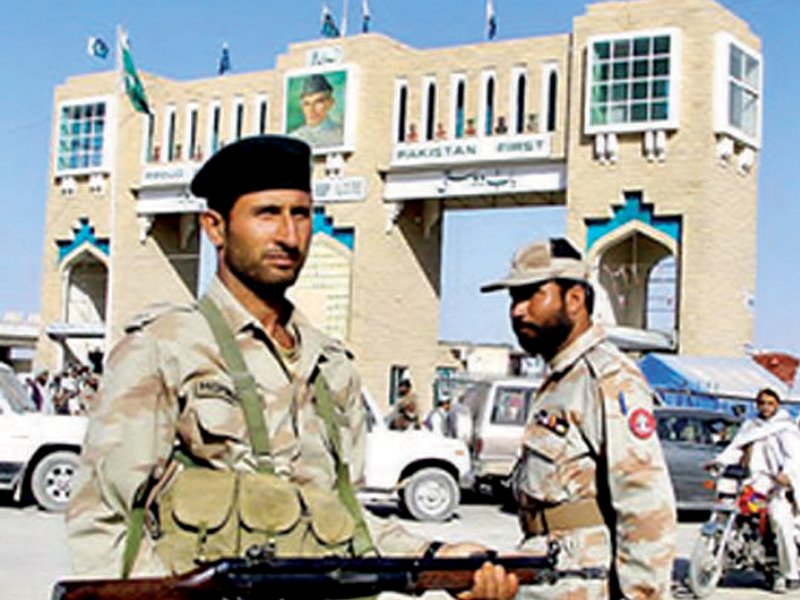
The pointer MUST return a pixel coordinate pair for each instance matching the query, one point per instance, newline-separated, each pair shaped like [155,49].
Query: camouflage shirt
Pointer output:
[166,385]
[591,436]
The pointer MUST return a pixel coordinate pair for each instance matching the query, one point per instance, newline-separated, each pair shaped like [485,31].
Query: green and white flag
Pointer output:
[133,86]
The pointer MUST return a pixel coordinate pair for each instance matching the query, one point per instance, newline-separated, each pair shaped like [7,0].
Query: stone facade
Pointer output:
[127,216]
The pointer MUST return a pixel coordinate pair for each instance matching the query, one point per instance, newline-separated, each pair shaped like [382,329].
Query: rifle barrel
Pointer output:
[328,577]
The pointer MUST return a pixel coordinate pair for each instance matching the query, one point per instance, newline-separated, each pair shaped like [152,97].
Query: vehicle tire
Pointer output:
[52,479]
[705,568]
[430,494]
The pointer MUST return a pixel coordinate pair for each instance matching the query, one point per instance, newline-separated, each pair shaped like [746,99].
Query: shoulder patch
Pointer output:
[642,423]
[153,313]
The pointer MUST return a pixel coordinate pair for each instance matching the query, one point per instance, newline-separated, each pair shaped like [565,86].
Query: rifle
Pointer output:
[261,575]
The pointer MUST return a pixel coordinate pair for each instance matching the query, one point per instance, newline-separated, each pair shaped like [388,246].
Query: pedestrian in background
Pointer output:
[405,414]
[438,419]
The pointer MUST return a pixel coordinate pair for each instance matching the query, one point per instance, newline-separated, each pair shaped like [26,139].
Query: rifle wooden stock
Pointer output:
[310,578]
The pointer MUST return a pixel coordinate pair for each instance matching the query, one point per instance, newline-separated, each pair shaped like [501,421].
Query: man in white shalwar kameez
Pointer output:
[770,445]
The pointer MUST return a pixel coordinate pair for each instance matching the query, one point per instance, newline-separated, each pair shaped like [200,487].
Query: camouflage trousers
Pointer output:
[580,548]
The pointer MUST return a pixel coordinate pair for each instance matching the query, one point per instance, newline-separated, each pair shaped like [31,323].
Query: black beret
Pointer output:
[263,162]
[314,84]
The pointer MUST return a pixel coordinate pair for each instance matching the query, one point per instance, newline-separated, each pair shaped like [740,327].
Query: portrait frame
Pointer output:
[340,134]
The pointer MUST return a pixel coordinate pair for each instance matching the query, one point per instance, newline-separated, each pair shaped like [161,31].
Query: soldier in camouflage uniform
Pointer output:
[591,473]
[170,408]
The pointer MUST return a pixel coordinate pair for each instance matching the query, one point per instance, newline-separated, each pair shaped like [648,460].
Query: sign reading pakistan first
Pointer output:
[316,108]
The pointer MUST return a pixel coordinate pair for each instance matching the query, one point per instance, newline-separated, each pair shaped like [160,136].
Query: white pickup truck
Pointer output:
[38,452]
[423,470]
[39,456]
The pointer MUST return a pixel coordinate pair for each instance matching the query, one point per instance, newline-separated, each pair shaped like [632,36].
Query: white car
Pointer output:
[38,452]
[423,470]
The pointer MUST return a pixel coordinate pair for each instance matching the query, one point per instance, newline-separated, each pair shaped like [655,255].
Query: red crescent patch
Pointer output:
[642,423]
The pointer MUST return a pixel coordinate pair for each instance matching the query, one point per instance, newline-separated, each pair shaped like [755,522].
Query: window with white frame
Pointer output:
[738,90]
[81,136]
[192,148]
[237,116]
[169,134]
[261,112]
[632,81]
[487,103]
[518,99]
[429,107]
[400,109]
[549,98]
[458,98]
[215,116]
[150,132]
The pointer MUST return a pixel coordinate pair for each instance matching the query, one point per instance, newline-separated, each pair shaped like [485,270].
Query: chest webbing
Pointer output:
[247,393]
[243,383]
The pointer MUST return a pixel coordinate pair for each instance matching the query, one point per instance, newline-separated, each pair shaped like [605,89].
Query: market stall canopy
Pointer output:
[716,383]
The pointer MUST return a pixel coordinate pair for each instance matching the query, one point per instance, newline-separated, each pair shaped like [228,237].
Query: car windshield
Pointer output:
[12,390]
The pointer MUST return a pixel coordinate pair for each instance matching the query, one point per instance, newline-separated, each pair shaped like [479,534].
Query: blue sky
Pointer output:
[43,42]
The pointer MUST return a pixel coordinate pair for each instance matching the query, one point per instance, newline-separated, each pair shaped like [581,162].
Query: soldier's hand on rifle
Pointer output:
[490,582]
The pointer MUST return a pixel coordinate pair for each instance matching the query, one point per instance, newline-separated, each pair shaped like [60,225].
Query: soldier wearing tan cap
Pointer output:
[233,422]
[591,474]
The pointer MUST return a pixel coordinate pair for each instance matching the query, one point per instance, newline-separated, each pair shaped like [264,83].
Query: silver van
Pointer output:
[490,416]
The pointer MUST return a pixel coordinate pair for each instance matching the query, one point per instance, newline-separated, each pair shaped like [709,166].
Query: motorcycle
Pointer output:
[737,536]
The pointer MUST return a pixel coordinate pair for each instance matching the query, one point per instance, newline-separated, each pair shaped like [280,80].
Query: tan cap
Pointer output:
[540,261]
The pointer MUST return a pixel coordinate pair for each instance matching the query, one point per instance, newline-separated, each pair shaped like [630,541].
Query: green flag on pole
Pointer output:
[130,78]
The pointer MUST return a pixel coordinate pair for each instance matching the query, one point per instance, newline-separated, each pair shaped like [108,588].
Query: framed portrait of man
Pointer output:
[319,108]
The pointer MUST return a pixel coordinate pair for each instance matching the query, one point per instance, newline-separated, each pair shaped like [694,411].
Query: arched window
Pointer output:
[489,116]
[238,123]
[192,149]
[430,116]
[552,97]
[86,290]
[402,103]
[170,134]
[213,131]
[519,124]
[262,116]
[151,131]
[459,125]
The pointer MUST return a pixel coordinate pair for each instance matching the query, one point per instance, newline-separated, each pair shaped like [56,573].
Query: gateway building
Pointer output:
[644,122]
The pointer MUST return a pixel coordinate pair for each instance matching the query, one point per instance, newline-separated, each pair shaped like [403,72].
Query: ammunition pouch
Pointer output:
[208,514]
[537,519]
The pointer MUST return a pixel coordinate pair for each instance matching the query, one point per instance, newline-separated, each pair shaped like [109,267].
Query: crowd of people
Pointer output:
[70,391]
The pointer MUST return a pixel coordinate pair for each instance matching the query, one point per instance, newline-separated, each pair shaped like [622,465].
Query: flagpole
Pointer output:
[112,254]
[344,18]
[118,57]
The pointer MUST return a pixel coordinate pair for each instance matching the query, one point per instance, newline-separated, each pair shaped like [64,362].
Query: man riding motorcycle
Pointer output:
[769,446]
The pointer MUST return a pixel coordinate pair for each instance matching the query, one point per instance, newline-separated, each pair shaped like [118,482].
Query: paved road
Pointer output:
[33,553]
